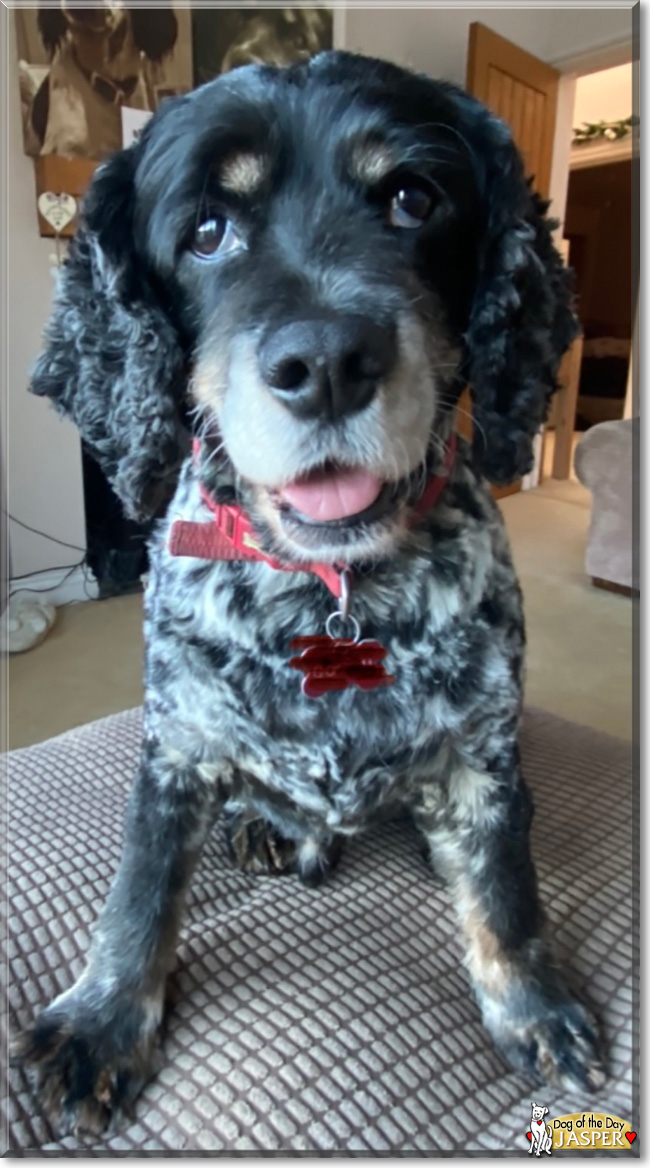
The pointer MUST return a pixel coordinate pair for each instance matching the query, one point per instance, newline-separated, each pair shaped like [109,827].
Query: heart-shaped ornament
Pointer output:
[630,1137]
[57,210]
[529,1135]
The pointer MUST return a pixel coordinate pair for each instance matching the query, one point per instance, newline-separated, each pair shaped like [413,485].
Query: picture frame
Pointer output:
[79,68]
[224,39]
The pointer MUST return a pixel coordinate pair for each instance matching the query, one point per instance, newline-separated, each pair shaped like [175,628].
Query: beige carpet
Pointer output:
[88,666]
[580,639]
[579,662]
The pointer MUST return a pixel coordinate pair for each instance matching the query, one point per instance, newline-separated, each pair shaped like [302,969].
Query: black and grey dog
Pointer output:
[305,267]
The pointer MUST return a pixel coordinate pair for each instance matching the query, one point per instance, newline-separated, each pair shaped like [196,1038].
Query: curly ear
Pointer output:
[154,31]
[112,359]
[52,26]
[522,318]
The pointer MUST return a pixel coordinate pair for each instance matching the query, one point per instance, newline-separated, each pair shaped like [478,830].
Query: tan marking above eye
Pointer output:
[371,161]
[242,172]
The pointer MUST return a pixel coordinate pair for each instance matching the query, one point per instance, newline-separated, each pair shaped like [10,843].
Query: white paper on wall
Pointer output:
[133,122]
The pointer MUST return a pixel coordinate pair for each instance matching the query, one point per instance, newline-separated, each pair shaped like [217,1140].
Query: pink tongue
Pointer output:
[332,494]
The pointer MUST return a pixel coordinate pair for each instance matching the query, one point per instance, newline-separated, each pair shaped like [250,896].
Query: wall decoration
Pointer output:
[79,67]
[603,131]
[225,38]
[133,123]
[57,210]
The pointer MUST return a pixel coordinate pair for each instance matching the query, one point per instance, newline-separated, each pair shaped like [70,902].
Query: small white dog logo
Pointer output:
[539,1133]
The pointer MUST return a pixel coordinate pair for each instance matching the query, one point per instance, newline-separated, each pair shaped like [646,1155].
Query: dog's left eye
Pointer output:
[215,236]
[411,206]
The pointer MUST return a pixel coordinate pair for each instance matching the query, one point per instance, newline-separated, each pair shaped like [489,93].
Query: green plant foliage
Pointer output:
[603,131]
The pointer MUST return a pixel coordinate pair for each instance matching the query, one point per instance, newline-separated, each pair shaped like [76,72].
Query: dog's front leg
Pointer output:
[93,1049]
[479,842]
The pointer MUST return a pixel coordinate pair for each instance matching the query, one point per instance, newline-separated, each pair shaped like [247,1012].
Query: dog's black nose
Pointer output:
[327,366]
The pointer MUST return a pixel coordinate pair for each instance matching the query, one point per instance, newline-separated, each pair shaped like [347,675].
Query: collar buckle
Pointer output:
[232,522]
[106,89]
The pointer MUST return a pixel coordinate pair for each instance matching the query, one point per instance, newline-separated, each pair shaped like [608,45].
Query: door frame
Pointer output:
[594,60]
[571,68]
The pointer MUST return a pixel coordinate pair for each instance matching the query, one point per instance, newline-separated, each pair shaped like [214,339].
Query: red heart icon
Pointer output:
[630,1137]
[529,1135]
[539,1123]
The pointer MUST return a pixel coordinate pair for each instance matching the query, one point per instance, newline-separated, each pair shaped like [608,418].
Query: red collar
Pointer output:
[230,535]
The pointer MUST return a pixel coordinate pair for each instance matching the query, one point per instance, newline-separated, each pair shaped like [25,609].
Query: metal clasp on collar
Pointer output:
[343,611]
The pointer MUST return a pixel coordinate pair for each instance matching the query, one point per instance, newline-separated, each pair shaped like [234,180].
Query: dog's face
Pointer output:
[108,29]
[538,1112]
[335,249]
[101,36]
[324,248]
[263,42]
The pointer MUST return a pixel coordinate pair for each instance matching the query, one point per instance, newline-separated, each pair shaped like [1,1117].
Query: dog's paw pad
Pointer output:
[561,1048]
[84,1083]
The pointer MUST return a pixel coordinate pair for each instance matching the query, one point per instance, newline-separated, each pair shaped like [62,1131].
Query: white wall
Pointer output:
[559,185]
[434,40]
[44,454]
[605,96]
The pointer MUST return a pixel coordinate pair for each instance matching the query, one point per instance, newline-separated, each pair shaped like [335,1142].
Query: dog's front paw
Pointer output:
[255,846]
[554,1041]
[89,1063]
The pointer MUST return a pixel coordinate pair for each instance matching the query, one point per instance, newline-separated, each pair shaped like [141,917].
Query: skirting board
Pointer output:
[57,586]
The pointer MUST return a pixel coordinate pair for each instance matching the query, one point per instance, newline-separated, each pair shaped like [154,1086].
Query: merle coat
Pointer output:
[343,190]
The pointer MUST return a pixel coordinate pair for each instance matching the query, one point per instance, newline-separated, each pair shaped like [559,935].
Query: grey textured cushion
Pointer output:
[330,1020]
[604,462]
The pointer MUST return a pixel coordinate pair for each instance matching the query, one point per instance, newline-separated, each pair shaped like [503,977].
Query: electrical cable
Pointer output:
[67,568]
[42,571]
[57,585]
[52,538]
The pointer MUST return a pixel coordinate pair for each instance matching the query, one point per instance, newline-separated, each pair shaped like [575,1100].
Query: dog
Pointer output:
[541,1136]
[267,316]
[101,60]
[262,39]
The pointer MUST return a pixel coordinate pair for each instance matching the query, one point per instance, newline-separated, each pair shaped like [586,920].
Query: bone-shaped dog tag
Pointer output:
[333,663]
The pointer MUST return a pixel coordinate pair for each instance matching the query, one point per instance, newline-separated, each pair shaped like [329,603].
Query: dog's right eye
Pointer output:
[411,205]
[215,236]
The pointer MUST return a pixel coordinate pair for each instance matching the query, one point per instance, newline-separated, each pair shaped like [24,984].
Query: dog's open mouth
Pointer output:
[334,496]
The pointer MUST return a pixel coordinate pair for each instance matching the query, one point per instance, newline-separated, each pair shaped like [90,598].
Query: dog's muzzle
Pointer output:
[327,367]
[323,369]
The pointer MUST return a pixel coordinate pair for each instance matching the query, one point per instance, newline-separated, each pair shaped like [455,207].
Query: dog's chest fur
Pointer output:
[221,694]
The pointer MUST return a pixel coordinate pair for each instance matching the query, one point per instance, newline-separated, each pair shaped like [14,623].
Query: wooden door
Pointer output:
[521,90]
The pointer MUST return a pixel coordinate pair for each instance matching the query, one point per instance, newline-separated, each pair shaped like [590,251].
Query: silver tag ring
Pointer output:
[349,619]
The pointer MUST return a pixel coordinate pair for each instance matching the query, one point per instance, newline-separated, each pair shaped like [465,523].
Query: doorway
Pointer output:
[598,227]
[598,231]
